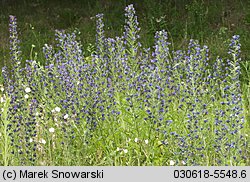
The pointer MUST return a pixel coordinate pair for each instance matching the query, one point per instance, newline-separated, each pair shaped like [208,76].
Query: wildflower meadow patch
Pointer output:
[124,105]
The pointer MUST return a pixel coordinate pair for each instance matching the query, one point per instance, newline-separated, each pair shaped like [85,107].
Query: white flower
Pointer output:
[66,116]
[2,89]
[118,149]
[26,96]
[183,162]
[125,151]
[57,109]
[172,163]
[27,90]
[136,140]
[2,109]
[53,110]
[31,140]
[51,130]
[42,141]
[37,114]
[146,141]
[2,100]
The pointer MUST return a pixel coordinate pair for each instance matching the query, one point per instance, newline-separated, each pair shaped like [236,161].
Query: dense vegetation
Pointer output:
[126,100]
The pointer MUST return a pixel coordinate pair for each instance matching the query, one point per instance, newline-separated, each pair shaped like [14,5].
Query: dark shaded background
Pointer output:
[212,22]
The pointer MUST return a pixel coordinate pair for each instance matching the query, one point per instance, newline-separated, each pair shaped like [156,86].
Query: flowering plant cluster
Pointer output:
[128,105]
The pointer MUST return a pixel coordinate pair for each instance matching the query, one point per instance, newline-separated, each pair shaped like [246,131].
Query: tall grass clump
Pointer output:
[125,105]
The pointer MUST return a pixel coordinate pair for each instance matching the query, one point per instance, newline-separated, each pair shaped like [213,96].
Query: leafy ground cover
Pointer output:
[126,103]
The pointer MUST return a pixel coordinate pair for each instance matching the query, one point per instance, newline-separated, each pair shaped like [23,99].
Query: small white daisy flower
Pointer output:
[183,162]
[146,141]
[172,163]
[2,89]
[66,116]
[136,140]
[125,151]
[51,130]
[42,141]
[27,90]
[26,96]
[2,100]
[57,109]
[31,140]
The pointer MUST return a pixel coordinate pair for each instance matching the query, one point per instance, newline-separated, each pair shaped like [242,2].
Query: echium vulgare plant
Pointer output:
[22,108]
[129,105]
[194,95]
[45,98]
[131,35]
[75,88]
[229,119]
[214,109]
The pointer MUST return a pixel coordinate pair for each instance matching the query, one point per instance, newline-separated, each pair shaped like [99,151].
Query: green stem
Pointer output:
[5,133]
